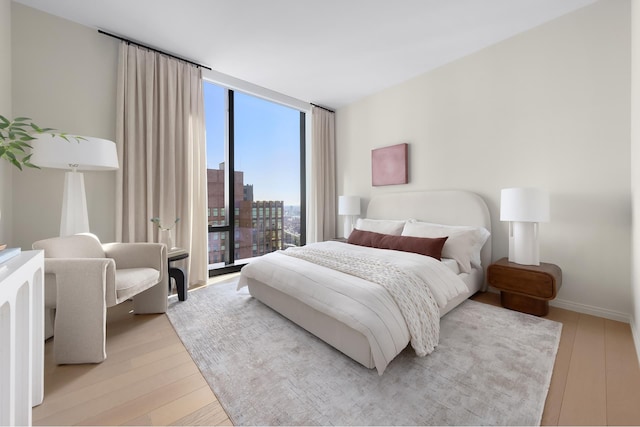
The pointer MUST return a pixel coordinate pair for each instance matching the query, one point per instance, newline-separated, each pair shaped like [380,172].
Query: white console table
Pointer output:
[21,337]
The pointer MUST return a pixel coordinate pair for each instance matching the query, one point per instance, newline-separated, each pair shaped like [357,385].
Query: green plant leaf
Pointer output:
[30,165]
[16,163]
[21,133]
[16,146]
[15,137]
[26,161]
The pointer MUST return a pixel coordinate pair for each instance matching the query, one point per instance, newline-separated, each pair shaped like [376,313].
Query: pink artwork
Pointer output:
[389,165]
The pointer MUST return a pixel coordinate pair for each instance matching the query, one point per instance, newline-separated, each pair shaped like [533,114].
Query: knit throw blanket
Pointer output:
[410,293]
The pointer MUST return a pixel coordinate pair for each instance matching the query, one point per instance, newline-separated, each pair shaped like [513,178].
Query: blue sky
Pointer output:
[267,143]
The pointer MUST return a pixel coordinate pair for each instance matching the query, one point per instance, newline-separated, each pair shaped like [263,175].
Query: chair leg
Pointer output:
[49,321]
[153,300]
[80,330]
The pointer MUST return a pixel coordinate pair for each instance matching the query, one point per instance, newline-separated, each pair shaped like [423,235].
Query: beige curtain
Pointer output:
[161,146]
[322,201]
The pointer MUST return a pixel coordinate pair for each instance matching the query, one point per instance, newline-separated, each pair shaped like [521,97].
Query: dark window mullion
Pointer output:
[303,180]
[231,182]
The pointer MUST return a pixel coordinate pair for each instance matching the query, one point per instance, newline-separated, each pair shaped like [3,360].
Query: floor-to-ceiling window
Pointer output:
[255,176]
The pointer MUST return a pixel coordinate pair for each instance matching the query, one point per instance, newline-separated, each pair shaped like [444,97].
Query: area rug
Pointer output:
[492,367]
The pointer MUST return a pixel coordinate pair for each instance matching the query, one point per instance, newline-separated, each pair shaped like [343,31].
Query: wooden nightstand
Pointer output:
[526,288]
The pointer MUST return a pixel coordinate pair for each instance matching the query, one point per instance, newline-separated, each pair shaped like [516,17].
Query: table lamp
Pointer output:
[350,207]
[76,154]
[524,208]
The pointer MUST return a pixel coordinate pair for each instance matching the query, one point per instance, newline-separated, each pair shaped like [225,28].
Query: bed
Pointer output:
[318,298]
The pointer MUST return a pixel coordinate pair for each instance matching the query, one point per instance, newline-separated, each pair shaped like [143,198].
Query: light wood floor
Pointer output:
[150,379]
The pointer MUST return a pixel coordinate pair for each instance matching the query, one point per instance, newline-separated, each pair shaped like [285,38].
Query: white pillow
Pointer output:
[464,243]
[383,226]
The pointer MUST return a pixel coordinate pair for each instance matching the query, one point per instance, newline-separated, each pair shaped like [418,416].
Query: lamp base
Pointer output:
[523,243]
[348,226]
[75,218]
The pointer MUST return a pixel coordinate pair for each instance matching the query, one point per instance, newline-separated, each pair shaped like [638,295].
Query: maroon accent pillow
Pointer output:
[420,245]
[364,238]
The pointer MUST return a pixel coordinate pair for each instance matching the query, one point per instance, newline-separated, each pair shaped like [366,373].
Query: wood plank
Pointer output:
[139,353]
[59,378]
[553,403]
[139,333]
[211,415]
[585,399]
[71,407]
[623,375]
[141,403]
[72,380]
[178,408]
[491,298]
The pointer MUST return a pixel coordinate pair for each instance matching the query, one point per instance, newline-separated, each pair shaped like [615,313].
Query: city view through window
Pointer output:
[260,141]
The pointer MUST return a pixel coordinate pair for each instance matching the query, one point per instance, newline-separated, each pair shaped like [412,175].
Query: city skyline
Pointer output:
[267,143]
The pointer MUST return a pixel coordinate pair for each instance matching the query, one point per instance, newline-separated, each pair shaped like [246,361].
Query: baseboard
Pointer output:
[594,311]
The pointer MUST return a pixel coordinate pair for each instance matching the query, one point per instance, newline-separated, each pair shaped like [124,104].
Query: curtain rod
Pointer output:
[153,49]
[323,108]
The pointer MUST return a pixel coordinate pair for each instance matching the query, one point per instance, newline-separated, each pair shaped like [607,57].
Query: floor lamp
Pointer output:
[76,154]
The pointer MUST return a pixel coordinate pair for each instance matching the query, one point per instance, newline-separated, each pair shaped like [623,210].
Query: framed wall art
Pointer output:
[389,165]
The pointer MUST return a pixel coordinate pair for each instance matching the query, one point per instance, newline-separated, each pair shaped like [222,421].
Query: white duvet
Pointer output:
[361,304]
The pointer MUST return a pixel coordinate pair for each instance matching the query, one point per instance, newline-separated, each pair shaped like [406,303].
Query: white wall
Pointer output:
[64,77]
[548,108]
[5,109]
[635,171]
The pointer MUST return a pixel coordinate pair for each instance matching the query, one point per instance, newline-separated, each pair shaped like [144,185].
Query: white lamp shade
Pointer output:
[88,153]
[524,205]
[77,154]
[348,205]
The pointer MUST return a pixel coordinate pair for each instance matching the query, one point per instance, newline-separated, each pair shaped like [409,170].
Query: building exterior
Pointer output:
[268,226]
[259,225]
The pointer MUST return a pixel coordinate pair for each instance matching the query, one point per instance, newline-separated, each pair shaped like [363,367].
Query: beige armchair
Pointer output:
[83,277]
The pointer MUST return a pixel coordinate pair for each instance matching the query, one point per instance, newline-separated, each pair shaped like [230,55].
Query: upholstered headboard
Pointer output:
[450,207]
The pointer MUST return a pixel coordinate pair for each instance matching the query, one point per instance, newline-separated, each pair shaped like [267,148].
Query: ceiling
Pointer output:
[328,52]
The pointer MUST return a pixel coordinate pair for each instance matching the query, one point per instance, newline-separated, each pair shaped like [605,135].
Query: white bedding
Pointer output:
[361,304]
[452,264]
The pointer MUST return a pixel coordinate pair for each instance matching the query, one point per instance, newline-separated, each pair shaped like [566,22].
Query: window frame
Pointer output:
[230,208]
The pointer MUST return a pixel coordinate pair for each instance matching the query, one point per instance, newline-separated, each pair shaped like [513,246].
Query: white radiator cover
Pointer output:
[21,337]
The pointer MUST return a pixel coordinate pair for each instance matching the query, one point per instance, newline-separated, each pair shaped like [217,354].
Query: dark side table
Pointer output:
[176,273]
[526,288]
